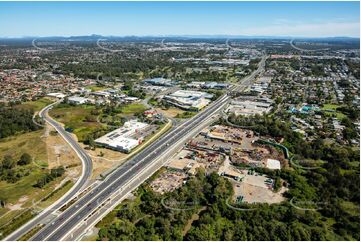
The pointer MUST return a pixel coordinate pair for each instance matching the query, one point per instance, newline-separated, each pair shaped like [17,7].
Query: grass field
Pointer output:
[22,194]
[351,208]
[28,142]
[36,105]
[12,192]
[74,117]
[330,106]
[333,107]
[15,146]
[56,194]
[95,88]
[133,108]
[186,114]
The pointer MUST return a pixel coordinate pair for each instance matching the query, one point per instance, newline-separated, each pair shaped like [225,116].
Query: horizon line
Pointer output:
[181,35]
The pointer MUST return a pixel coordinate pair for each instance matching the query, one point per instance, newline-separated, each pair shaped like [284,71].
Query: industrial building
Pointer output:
[215,85]
[189,100]
[56,95]
[77,100]
[123,139]
[251,106]
[159,82]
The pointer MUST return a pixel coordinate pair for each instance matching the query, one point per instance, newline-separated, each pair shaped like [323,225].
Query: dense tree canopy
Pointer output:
[14,120]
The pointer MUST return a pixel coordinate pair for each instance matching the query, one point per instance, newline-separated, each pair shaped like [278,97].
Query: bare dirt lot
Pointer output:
[168,181]
[171,112]
[105,159]
[59,152]
[254,190]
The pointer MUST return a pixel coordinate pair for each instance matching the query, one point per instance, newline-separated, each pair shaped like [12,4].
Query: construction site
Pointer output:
[254,187]
[168,181]
[232,153]
[241,145]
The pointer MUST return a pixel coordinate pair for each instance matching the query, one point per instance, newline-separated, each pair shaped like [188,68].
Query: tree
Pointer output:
[8,162]
[25,159]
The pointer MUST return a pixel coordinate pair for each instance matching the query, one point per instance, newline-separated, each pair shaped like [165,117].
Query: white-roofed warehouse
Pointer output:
[121,139]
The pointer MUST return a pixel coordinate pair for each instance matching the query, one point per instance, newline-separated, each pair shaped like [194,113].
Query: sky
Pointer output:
[296,19]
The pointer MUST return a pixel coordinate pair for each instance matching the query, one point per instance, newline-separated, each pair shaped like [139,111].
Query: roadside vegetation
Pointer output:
[23,162]
[186,114]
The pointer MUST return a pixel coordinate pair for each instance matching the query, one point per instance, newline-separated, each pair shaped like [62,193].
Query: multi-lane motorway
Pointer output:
[146,162]
[80,210]
[247,81]
[81,182]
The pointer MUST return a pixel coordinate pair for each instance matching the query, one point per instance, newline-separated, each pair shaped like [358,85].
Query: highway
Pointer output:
[80,210]
[146,162]
[81,182]
[246,81]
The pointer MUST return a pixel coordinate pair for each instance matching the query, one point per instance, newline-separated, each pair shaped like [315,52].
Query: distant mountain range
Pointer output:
[95,37]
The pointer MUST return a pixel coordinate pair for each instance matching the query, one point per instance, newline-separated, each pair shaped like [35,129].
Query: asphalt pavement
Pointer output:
[58,228]
[81,182]
[84,207]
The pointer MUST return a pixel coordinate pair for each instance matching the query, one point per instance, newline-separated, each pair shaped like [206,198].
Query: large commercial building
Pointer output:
[189,100]
[159,81]
[56,95]
[250,106]
[77,100]
[124,138]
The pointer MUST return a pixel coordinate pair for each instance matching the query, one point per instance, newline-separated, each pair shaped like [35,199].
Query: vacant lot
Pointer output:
[36,105]
[31,143]
[21,194]
[95,88]
[170,112]
[78,118]
[133,108]
[59,152]
[254,190]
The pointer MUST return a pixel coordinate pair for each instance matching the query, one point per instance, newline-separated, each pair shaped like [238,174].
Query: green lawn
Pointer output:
[133,108]
[330,106]
[333,107]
